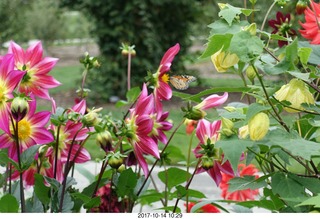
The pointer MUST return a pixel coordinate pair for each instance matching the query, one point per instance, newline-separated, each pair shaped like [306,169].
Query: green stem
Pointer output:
[279,119]
[187,185]
[155,163]
[266,16]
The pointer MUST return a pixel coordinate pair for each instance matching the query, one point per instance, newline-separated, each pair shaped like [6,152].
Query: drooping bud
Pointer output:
[227,127]
[301,6]
[115,160]
[258,126]
[104,139]
[223,61]
[252,29]
[207,162]
[91,118]
[251,73]
[296,92]
[19,107]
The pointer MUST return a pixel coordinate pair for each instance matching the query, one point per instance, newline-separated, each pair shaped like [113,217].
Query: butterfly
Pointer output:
[181,82]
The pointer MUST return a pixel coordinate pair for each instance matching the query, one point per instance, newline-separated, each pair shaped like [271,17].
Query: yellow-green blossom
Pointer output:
[223,61]
[296,92]
[258,126]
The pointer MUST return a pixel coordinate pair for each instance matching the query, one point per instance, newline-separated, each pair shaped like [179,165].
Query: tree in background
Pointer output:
[151,25]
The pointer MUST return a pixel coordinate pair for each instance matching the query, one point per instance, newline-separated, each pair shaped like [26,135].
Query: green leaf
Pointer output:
[216,42]
[173,177]
[266,204]
[312,184]
[232,149]
[41,190]
[94,202]
[315,201]
[314,57]
[246,46]
[296,145]
[222,27]
[133,94]
[286,187]
[88,191]
[181,191]
[246,182]
[126,184]
[150,196]
[27,156]
[121,103]
[206,202]
[304,55]
[302,76]
[254,109]
[195,194]
[5,159]
[67,201]
[229,13]
[9,204]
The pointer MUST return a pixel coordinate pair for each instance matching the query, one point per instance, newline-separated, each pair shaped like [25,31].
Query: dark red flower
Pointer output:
[282,27]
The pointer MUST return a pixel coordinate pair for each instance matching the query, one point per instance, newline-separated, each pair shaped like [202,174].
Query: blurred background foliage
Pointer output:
[151,25]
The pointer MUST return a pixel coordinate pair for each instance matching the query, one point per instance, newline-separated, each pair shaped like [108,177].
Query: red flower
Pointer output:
[311,27]
[241,195]
[208,208]
[282,27]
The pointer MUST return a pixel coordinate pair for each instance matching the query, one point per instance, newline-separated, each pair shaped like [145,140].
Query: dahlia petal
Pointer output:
[6,141]
[80,107]
[17,51]
[40,119]
[45,65]
[13,79]
[42,136]
[215,174]
[141,160]
[168,57]
[34,53]
[164,91]
[4,118]
[145,124]
[145,105]
[7,65]
[148,146]
[214,101]
[47,82]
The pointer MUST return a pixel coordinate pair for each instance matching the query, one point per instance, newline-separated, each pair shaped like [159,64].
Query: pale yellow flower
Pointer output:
[223,61]
[243,132]
[296,92]
[258,126]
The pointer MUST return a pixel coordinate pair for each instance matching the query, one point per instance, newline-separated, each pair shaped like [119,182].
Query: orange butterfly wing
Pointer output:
[181,82]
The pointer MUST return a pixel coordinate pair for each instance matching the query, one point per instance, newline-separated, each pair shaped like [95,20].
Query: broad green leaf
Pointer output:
[121,103]
[27,156]
[41,190]
[315,201]
[246,182]
[9,204]
[278,37]
[294,144]
[181,191]
[126,184]
[222,27]
[286,187]
[246,46]
[34,205]
[277,202]
[133,94]
[232,149]
[314,57]
[229,13]
[266,204]
[312,184]
[195,194]
[302,76]
[67,201]
[254,109]
[88,191]
[216,42]
[150,196]
[206,202]
[304,54]
[94,202]
[173,176]
[5,159]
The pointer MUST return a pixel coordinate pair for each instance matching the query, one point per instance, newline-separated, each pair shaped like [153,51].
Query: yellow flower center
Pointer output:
[24,130]
[2,94]
[165,78]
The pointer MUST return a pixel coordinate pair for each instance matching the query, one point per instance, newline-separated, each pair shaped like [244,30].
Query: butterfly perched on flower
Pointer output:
[181,82]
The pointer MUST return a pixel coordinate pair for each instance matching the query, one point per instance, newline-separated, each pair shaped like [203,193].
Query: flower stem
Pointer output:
[187,185]
[279,119]
[155,163]
[129,71]
[266,16]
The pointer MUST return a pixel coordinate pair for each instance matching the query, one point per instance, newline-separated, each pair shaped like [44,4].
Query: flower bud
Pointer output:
[91,118]
[223,61]
[251,73]
[301,6]
[296,92]
[252,29]
[243,132]
[227,127]
[104,139]
[195,114]
[258,126]
[206,162]
[19,108]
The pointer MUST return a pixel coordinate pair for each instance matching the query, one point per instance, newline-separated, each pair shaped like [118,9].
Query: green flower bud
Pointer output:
[227,127]
[258,126]
[19,107]
[91,118]
[251,73]
[195,114]
[104,139]
[206,162]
